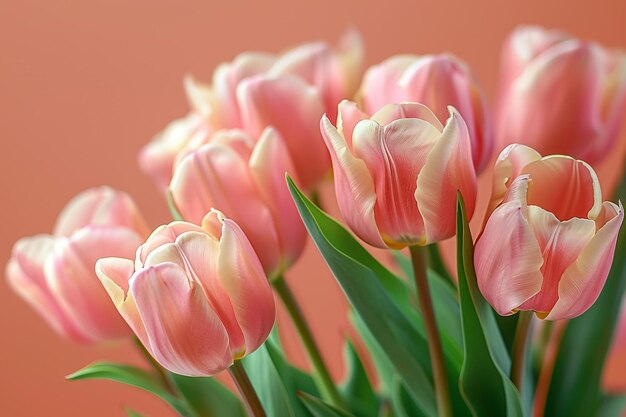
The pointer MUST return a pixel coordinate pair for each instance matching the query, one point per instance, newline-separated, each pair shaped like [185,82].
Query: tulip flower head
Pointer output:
[246,180]
[397,172]
[437,81]
[196,298]
[561,95]
[55,273]
[549,240]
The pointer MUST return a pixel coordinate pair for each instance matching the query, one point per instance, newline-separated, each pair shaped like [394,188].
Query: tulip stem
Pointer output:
[158,369]
[547,368]
[520,346]
[430,324]
[322,377]
[250,399]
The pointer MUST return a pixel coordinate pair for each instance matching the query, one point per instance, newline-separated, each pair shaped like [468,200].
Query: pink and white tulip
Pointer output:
[437,81]
[549,240]
[55,273]
[397,172]
[196,298]
[561,95]
[246,180]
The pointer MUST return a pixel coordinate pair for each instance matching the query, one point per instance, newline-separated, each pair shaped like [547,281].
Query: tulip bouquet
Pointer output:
[519,324]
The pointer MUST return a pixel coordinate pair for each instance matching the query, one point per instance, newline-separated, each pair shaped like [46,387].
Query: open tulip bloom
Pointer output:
[405,143]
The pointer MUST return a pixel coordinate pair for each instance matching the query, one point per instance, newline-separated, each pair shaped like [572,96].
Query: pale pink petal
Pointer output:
[25,275]
[115,274]
[226,112]
[507,256]
[269,164]
[395,111]
[184,334]
[354,186]
[241,276]
[582,282]
[293,108]
[162,235]
[215,176]
[565,187]
[560,244]
[448,169]
[70,274]
[158,157]
[349,114]
[199,96]
[509,166]
[102,206]
[380,82]
[394,155]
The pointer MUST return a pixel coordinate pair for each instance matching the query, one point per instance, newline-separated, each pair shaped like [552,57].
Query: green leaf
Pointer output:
[133,376]
[389,326]
[318,408]
[131,413]
[207,397]
[402,404]
[484,382]
[612,406]
[357,389]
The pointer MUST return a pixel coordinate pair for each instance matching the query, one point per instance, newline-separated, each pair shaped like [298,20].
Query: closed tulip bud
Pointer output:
[397,173]
[197,299]
[561,95]
[157,159]
[246,181]
[437,81]
[549,241]
[55,273]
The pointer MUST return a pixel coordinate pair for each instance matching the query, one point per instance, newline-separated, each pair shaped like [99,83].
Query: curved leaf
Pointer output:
[207,397]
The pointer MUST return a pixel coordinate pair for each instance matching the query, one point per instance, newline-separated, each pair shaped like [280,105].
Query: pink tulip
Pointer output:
[548,245]
[561,95]
[55,273]
[246,181]
[397,173]
[437,81]
[196,298]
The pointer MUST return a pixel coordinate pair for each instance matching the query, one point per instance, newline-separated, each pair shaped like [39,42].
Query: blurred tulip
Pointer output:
[549,241]
[55,273]
[196,298]
[561,95]
[397,173]
[247,182]
[437,81]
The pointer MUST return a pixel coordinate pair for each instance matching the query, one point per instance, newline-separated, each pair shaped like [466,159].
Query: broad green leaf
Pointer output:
[402,404]
[207,397]
[357,389]
[484,382]
[134,376]
[318,408]
[612,406]
[389,326]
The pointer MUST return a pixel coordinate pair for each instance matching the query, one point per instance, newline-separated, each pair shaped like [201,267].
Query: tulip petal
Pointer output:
[70,274]
[185,335]
[565,187]
[293,108]
[508,275]
[394,155]
[241,276]
[560,243]
[582,282]
[380,82]
[354,186]
[26,276]
[162,235]
[349,114]
[101,206]
[269,163]
[392,112]
[448,169]
[115,274]
[216,176]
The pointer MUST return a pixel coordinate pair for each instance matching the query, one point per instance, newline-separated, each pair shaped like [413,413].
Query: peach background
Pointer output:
[84,84]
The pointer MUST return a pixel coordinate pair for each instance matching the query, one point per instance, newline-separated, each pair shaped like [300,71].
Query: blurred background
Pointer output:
[84,84]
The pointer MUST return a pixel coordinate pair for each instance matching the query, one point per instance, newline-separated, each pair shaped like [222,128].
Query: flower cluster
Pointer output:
[404,142]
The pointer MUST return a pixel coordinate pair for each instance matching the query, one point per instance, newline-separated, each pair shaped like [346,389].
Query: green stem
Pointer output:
[520,346]
[158,369]
[250,399]
[321,375]
[432,333]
